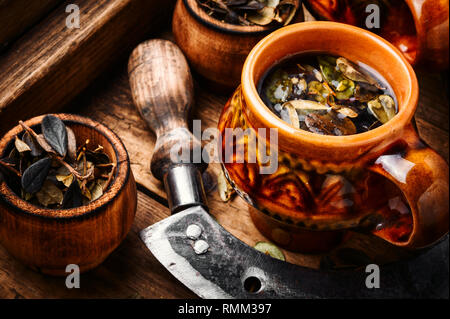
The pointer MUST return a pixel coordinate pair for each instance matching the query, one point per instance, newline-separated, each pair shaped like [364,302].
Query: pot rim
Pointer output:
[193,8]
[264,117]
[120,179]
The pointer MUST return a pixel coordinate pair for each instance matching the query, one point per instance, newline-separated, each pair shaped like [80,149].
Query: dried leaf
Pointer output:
[286,11]
[43,143]
[34,176]
[55,134]
[345,89]
[73,197]
[352,71]
[307,105]
[308,69]
[383,108]
[329,124]
[86,193]
[290,115]
[65,179]
[346,111]
[319,90]
[262,17]
[49,194]
[36,149]
[280,87]
[21,146]
[71,144]
[270,249]
[364,95]
[97,191]
[224,187]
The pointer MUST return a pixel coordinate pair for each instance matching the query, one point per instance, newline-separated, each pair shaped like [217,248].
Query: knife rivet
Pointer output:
[193,231]
[200,247]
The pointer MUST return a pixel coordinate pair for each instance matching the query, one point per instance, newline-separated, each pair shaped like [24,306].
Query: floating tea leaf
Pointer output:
[307,105]
[351,71]
[319,90]
[340,99]
[34,176]
[311,70]
[346,111]
[55,134]
[329,124]
[345,89]
[383,108]
[362,94]
[290,115]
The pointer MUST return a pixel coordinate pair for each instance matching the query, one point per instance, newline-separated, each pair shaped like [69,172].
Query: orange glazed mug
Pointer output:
[385,181]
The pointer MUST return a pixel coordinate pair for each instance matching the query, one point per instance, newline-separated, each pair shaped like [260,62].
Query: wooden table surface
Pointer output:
[131,271]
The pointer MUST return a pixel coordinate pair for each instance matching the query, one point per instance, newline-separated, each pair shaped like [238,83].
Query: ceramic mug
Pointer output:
[385,181]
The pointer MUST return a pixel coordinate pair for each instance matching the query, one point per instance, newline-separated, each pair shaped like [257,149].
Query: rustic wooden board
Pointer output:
[51,63]
[131,271]
[18,15]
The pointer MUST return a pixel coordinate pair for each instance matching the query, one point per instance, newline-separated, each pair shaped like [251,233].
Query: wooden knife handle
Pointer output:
[162,89]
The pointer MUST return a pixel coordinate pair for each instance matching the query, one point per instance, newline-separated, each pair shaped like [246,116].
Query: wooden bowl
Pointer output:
[48,240]
[215,50]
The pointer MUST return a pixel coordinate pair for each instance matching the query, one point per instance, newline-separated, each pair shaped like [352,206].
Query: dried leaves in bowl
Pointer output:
[327,95]
[251,12]
[52,169]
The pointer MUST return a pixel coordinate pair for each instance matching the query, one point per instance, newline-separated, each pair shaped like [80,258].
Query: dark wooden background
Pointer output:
[131,271]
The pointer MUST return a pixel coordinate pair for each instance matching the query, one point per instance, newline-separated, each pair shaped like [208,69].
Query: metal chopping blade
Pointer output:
[231,269]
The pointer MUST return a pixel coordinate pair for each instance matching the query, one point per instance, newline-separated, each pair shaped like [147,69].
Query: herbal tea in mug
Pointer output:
[328,95]
[338,166]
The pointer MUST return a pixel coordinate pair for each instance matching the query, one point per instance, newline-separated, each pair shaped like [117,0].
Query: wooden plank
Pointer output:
[18,15]
[51,64]
[130,271]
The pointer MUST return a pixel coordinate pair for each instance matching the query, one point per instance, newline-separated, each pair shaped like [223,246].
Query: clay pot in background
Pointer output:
[216,50]
[418,28]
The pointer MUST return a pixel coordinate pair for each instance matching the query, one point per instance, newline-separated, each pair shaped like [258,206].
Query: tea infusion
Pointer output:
[327,95]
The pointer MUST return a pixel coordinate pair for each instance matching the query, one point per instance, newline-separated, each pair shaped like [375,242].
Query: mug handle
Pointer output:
[422,176]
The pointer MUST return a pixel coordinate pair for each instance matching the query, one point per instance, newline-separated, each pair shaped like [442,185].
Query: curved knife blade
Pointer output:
[224,270]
